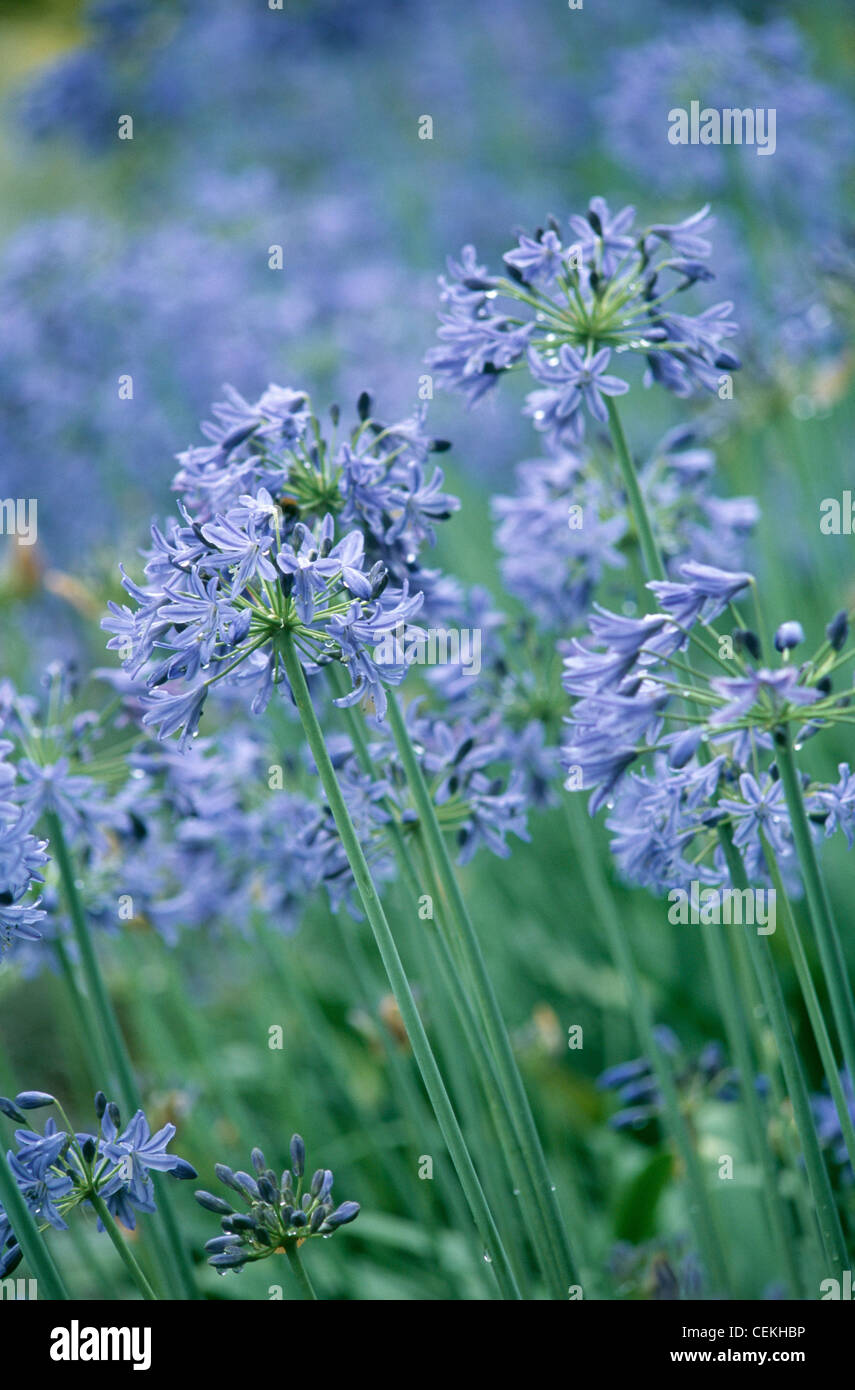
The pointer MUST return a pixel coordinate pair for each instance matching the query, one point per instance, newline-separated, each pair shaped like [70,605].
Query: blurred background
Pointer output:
[299,129]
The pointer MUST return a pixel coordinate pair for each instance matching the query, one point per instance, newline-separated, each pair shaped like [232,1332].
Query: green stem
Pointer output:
[649,549]
[822,918]
[700,1211]
[106,1026]
[447,970]
[817,1020]
[122,1247]
[27,1235]
[487,1006]
[398,981]
[831,1234]
[304,1283]
[727,993]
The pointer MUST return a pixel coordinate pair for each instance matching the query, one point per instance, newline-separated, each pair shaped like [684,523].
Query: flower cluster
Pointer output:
[282,533]
[706,740]
[281,1211]
[565,527]
[569,302]
[22,856]
[60,1169]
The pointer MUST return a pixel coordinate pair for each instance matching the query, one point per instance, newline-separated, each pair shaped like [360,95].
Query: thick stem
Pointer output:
[649,549]
[400,985]
[304,1283]
[122,1247]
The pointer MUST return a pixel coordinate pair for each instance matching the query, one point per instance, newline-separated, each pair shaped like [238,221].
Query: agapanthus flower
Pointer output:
[605,289]
[282,1209]
[678,752]
[262,551]
[60,1168]
[564,530]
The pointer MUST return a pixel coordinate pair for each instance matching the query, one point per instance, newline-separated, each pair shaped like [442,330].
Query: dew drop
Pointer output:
[488,1258]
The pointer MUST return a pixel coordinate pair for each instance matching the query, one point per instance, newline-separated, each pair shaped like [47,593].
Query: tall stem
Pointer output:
[486,1003]
[304,1283]
[831,1233]
[400,985]
[808,988]
[649,549]
[700,1210]
[122,1247]
[821,915]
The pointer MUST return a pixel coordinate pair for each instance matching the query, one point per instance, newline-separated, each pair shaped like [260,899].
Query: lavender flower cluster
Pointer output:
[574,300]
[706,742]
[61,1169]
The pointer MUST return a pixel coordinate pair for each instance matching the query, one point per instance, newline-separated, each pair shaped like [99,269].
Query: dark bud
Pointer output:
[317,1182]
[477,284]
[363,405]
[212,1203]
[268,1191]
[8,1109]
[464,749]
[595,280]
[247,1185]
[439,446]
[335,414]
[774,772]
[726,362]
[286,584]
[262,1238]
[317,1219]
[89,1148]
[299,1218]
[240,1222]
[692,271]
[515,274]
[824,685]
[226,1176]
[838,630]
[114,1113]
[595,221]
[554,225]
[348,1211]
[257,1160]
[744,637]
[33,1100]
[10,1261]
[218,1244]
[230,1259]
[298,1155]
[183,1171]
